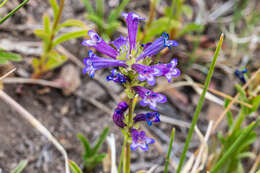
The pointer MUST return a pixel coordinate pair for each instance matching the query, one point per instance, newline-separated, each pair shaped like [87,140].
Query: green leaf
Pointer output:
[69,36]
[159,26]
[74,167]
[3,61]
[72,22]
[8,56]
[100,8]
[116,12]
[20,167]
[88,6]
[97,20]
[99,158]
[85,143]
[199,106]
[187,10]
[235,145]
[54,60]
[229,114]
[190,28]
[55,7]
[47,24]
[100,140]
[35,65]
[41,34]
[255,103]
[169,151]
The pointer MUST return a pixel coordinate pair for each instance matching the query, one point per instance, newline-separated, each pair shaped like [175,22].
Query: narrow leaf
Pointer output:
[100,140]
[74,167]
[68,36]
[100,8]
[88,6]
[55,7]
[47,24]
[85,144]
[169,152]
[116,12]
[9,56]
[20,167]
[199,106]
[236,144]
[72,22]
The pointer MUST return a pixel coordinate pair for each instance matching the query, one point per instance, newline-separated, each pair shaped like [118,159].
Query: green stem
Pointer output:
[169,151]
[13,11]
[44,57]
[3,3]
[199,106]
[127,148]
[122,156]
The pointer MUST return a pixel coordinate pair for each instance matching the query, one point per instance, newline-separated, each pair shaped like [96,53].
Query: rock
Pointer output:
[70,79]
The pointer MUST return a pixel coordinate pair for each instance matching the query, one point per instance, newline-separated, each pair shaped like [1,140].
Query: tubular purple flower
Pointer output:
[168,70]
[118,115]
[157,46]
[147,73]
[116,76]
[148,117]
[139,139]
[99,44]
[94,63]
[149,98]
[132,21]
[119,42]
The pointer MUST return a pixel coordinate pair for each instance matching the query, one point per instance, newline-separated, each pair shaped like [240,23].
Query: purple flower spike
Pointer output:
[132,21]
[118,115]
[157,46]
[98,43]
[148,117]
[140,140]
[116,76]
[149,98]
[119,42]
[94,63]
[146,73]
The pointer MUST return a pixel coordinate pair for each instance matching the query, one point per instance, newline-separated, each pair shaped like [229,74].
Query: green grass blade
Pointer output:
[3,3]
[199,106]
[74,167]
[234,146]
[88,6]
[100,141]
[13,11]
[85,144]
[169,151]
[100,8]
[116,12]
[20,167]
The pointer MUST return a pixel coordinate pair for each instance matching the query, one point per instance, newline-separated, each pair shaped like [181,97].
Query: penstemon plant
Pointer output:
[133,67]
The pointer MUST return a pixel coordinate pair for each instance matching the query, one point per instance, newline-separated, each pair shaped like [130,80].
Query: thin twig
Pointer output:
[7,74]
[35,123]
[257,161]
[32,81]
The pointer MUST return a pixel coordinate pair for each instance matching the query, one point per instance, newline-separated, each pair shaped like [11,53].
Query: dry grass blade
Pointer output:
[112,145]
[35,123]
[257,161]
[232,102]
[7,74]
[32,81]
